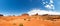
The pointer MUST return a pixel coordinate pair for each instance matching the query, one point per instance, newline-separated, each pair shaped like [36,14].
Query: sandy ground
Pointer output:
[27,21]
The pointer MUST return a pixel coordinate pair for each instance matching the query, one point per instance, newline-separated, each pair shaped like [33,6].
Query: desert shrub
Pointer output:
[14,23]
[20,24]
[54,19]
[35,17]
[58,17]
[24,19]
[50,18]
[28,19]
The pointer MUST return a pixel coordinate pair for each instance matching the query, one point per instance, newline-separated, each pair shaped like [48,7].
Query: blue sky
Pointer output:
[16,7]
[57,5]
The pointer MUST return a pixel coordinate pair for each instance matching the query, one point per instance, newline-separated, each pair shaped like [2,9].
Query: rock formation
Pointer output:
[1,15]
[25,14]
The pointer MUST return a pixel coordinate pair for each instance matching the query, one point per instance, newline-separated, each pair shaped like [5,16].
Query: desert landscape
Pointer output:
[34,20]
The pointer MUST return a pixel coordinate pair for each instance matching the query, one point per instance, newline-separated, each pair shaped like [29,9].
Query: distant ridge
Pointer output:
[25,14]
[1,15]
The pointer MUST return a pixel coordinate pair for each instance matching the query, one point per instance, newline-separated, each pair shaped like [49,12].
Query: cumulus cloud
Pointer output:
[51,6]
[51,1]
[42,12]
[48,5]
[43,2]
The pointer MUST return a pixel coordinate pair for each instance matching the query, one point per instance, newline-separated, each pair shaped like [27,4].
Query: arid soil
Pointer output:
[34,20]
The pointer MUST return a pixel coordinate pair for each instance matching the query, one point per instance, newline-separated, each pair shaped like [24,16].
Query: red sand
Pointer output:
[27,21]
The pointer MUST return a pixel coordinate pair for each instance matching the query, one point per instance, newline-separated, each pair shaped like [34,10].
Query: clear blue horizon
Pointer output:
[17,7]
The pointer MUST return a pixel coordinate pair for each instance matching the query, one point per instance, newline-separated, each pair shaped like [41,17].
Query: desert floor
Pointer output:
[26,21]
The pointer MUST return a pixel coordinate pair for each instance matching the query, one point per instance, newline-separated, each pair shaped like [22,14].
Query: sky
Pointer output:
[17,7]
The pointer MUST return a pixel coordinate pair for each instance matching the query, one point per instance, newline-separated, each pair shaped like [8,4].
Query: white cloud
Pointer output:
[41,12]
[44,3]
[51,1]
[49,5]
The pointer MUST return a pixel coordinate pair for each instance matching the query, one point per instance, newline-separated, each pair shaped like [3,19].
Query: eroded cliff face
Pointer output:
[34,20]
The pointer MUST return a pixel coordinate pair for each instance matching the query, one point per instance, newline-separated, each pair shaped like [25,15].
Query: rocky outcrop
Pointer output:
[1,14]
[45,15]
[25,14]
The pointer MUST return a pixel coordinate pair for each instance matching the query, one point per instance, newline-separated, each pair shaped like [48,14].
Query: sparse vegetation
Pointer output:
[29,18]
[35,17]
[52,19]
[14,23]
[20,24]
[58,17]
[24,19]
[49,18]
